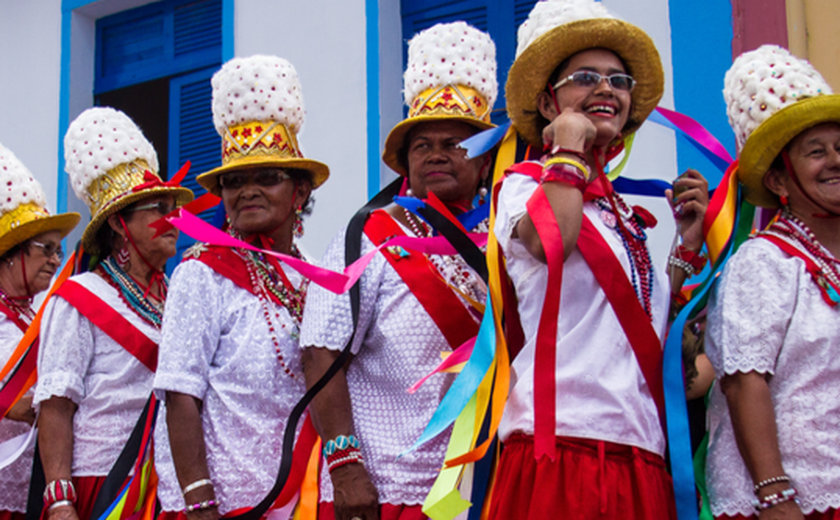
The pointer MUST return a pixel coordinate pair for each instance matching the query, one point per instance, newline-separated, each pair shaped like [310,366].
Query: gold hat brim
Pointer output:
[182,196]
[210,180]
[63,223]
[395,141]
[770,138]
[531,71]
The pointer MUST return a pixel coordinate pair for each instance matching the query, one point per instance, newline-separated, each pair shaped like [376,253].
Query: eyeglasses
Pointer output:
[264,178]
[590,79]
[162,207]
[49,250]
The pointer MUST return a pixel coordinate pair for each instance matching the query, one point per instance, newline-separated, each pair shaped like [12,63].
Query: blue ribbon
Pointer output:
[469,220]
[484,141]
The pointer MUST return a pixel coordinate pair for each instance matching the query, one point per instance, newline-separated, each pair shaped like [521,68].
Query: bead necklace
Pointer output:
[130,292]
[633,238]
[452,268]
[792,227]
[267,282]
[24,312]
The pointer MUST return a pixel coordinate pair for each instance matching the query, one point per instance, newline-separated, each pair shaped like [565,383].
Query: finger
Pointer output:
[697,194]
[669,196]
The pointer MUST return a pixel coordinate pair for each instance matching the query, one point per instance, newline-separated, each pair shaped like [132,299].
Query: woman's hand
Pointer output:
[22,411]
[570,130]
[63,513]
[354,494]
[690,207]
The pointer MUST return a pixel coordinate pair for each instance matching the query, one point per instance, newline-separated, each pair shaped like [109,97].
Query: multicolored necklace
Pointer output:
[24,312]
[791,227]
[634,240]
[268,284]
[130,292]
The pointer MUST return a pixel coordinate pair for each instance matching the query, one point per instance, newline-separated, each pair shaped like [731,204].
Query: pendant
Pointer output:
[608,218]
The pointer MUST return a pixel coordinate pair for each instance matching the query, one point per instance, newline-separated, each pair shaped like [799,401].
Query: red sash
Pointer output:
[812,267]
[110,322]
[420,275]
[227,263]
[13,317]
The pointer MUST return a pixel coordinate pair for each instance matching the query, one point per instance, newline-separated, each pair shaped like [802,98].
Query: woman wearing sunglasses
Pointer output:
[230,365]
[100,331]
[30,254]
[592,306]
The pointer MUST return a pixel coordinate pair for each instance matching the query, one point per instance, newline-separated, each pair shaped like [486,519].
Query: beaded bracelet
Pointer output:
[340,443]
[566,174]
[584,170]
[775,499]
[682,264]
[771,480]
[207,504]
[696,261]
[59,490]
[353,456]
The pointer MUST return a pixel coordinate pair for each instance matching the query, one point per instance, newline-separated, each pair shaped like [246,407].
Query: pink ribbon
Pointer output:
[338,283]
[458,356]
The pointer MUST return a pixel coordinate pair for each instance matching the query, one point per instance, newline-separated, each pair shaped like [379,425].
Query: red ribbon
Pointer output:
[153,181]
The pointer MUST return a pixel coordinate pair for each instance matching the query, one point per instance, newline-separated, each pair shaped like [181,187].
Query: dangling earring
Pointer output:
[784,200]
[123,258]
[297,227]
[482,194]
[409,193]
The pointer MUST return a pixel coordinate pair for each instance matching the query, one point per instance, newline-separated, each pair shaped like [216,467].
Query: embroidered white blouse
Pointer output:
[14,479]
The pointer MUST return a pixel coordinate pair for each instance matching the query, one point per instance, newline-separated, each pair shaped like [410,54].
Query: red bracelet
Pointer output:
[576,153]
[698,262]
[58,491]
[565,173]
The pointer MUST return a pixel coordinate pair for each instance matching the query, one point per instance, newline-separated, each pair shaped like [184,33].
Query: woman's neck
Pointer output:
[280,240]
[825,229]
[11,282]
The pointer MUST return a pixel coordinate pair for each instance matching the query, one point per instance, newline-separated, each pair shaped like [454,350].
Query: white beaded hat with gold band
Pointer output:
[23,206]
[258,110]
[771,97]
[557,30]
[111,166]
[451,74]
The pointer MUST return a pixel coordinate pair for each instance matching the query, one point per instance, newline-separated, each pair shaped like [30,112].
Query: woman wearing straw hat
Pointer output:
[99,333]
[230,362]
[773,325]
[30,254]
[582,426]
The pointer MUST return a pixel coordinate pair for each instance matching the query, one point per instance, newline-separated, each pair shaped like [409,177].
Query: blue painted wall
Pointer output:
[701,50]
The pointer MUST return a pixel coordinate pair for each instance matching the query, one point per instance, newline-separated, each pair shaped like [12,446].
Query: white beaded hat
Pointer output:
[771,97]
[23,205]
[451,75]
[258,110]
[111,166]
[557,30]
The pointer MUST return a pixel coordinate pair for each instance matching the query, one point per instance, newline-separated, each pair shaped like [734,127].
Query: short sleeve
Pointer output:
[190,331]
[512,206]
[65,352]
[748,313]
[327,317]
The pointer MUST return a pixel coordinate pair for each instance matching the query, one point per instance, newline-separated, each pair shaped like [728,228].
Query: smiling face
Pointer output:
[40,268]
[256,208]
[437,164]
[606,107]
[815,157]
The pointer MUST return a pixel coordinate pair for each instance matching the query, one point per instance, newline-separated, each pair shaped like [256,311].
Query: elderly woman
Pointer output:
[230,362]
[99,334]
[583,405]
[30,254]
[773,325]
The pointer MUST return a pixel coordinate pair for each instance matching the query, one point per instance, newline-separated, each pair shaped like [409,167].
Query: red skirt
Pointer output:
[831,514]
[326,511]
[587,479]
[12,515]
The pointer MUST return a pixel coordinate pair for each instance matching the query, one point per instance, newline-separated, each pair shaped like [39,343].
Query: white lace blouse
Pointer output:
[768,316]
[397,344]
[216,347]
[14,479]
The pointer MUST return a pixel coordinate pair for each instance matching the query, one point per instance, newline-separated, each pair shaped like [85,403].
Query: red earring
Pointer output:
[783,199]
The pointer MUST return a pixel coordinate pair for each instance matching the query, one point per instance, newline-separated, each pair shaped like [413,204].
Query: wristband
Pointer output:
[207,504]
[584,170]
[60,503]
[351,456]
[775,499]
[564,173]
[59,490]
[556,150]
[341,442]
[687,255]
[772,480]
[682,264]
[197,484]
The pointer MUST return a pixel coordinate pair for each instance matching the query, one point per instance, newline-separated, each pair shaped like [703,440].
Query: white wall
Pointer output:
[325,41]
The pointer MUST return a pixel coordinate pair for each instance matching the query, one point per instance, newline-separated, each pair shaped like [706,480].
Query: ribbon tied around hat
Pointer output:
[153,181]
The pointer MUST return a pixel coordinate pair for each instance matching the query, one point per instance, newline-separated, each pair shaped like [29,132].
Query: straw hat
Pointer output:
[558,29]
[23,205]
[771,97]
[258,110]
[451,75]
[111,166]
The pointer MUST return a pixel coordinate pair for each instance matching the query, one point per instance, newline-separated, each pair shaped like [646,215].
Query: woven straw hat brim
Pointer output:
[395,141]
[182,196]
[770,138]
[210,180]
[63,223]
[531,70]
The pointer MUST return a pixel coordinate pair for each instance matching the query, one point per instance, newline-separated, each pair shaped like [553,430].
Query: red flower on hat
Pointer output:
[477,101]
[246,132]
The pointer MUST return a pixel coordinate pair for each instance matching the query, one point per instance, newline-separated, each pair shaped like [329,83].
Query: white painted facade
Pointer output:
[326,40]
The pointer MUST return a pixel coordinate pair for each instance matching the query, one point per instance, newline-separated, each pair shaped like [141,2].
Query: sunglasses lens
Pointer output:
[233,181]
[164,208]
[267,178]
[621,82]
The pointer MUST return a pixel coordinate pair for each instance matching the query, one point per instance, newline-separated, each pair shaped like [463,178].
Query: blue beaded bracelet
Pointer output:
[341,442]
